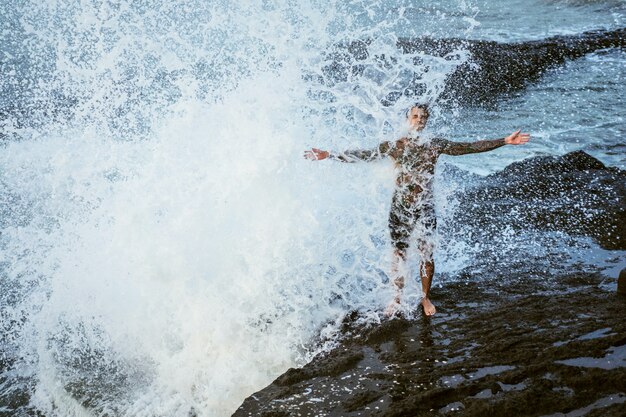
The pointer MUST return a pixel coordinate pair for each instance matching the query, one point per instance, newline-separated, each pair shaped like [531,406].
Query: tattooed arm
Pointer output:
[354,155]
[462,148]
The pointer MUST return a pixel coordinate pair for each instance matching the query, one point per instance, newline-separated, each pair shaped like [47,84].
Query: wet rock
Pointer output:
[513,350]
[574,193]
[331,365]
[499,345]
[496,69]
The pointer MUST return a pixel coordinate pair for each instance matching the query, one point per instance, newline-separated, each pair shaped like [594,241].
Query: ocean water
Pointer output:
[165,250]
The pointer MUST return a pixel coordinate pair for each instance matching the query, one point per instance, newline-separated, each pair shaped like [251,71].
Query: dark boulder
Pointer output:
[574,193]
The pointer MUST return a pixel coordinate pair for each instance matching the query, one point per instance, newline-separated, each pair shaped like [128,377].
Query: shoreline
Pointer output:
[494,348]
[512,339]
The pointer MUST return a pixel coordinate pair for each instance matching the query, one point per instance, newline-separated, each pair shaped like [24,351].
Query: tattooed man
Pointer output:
[412,207]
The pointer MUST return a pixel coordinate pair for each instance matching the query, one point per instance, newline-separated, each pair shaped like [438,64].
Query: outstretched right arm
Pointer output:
[353,155]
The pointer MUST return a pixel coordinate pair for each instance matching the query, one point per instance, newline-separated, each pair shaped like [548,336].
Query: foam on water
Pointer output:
[166,247]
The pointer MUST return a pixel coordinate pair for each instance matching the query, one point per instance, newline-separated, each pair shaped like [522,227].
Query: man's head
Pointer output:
[417,116]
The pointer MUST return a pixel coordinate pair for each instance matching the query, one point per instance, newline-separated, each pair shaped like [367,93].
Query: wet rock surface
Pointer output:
[574,193]
[501,347]
[506,342]
[497,68]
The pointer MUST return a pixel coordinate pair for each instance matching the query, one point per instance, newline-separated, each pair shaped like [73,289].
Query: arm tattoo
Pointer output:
[366,155]
[449,147]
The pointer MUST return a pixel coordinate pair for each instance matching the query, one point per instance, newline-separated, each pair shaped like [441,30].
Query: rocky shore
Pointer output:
[517,340]
[502,347]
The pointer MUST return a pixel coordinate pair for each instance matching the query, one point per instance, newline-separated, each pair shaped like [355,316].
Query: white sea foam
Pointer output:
[169,248]
[165,247]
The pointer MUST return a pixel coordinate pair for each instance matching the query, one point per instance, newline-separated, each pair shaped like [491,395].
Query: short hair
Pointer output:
[418,105]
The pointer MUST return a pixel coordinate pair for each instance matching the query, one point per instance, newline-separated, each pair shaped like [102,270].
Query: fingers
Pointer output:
[314,154]
[521,138]
[517,138]
[514,134]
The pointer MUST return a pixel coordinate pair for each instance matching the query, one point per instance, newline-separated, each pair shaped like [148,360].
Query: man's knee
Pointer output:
[399,282]
[426,251]
[400,252]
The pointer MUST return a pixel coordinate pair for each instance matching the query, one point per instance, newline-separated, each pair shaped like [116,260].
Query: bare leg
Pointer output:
[397,271]
[427,270]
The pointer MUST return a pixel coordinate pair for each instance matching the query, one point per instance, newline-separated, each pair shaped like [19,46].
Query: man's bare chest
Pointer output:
[412,158]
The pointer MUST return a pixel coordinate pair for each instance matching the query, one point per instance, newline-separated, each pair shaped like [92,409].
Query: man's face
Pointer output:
[417,118]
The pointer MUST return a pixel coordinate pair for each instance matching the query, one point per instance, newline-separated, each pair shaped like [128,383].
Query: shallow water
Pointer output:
[164,246]
[615,357]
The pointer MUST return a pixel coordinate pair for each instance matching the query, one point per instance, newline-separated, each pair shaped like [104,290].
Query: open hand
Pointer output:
[517,138]
[316,154]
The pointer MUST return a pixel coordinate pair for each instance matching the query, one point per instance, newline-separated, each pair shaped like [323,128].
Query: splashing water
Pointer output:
[165,248]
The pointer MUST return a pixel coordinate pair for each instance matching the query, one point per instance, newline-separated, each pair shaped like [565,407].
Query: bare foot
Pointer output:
[429,308]
[393,307]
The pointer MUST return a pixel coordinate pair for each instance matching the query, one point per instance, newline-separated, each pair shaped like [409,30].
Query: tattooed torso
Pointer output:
[415,166]
[415,162]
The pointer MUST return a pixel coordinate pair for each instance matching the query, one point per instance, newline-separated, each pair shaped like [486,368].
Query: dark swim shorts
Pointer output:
[403,220]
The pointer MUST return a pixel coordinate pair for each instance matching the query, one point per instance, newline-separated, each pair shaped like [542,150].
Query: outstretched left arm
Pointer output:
[462,148]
